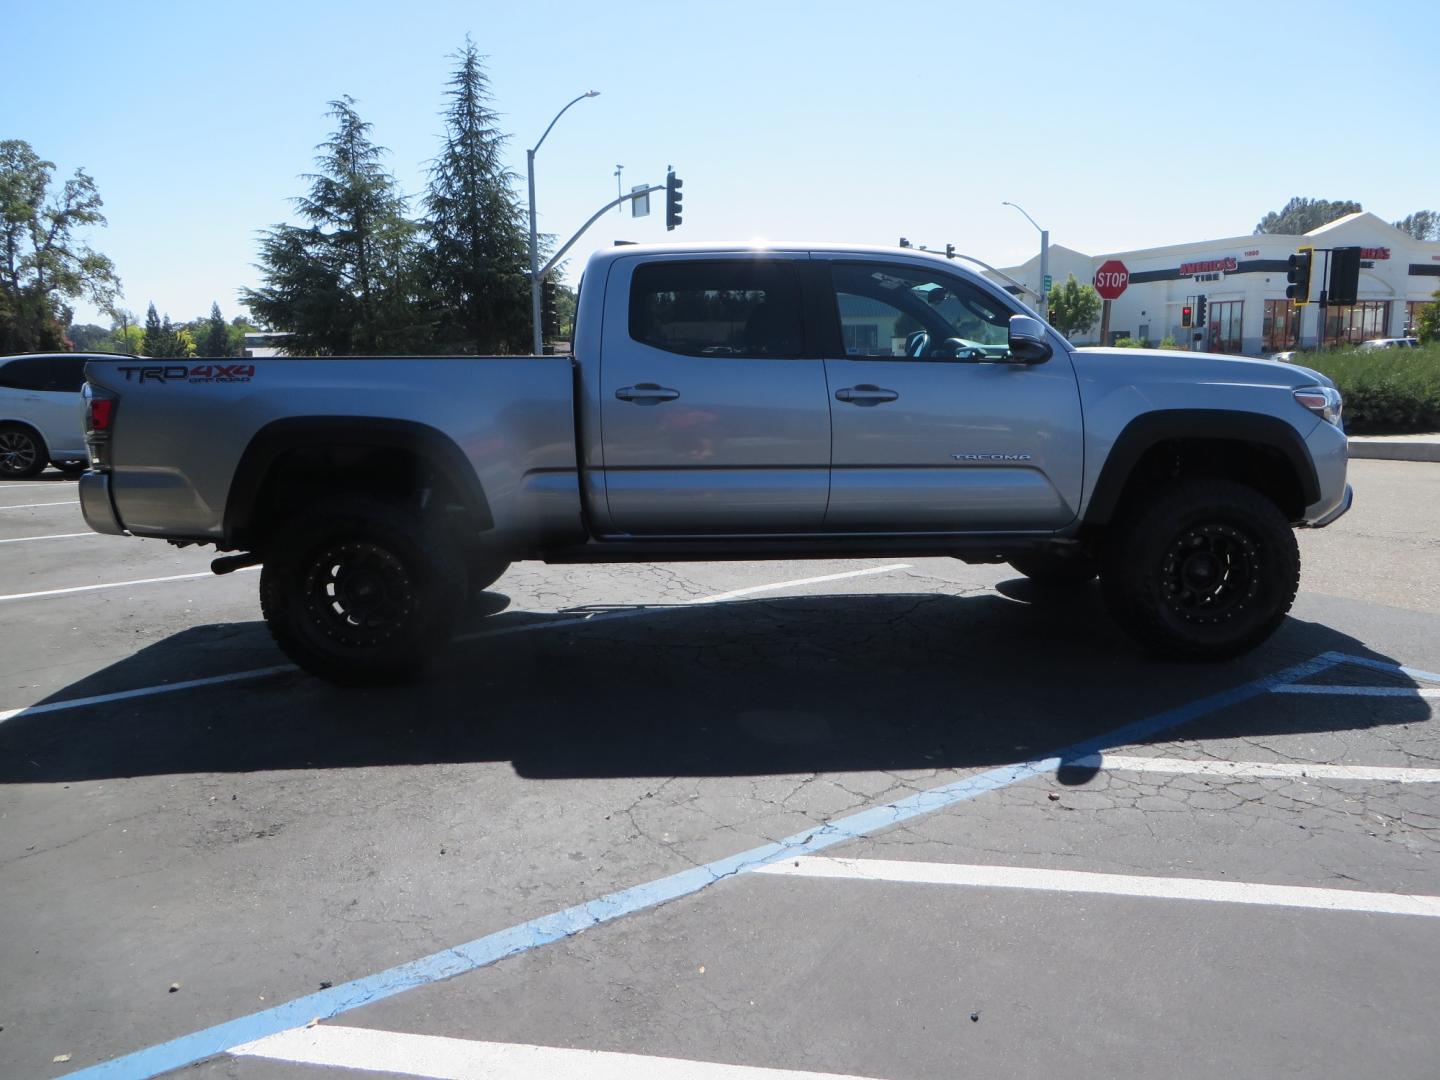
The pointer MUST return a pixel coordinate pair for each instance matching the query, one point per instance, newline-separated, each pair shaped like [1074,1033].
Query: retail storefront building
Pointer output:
[1243,281]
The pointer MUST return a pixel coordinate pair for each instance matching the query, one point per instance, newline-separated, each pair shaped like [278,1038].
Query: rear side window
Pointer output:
[746,308]
[53,374]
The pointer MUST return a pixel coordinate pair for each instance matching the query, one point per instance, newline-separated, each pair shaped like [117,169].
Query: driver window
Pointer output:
[891,311]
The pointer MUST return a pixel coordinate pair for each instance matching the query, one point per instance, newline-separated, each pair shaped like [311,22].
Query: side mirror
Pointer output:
[1029,343]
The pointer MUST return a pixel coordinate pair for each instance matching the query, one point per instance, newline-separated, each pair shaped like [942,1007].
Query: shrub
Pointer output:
[1130,343]
[1387,391]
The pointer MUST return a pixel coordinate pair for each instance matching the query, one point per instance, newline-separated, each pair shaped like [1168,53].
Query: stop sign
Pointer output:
[1111,279]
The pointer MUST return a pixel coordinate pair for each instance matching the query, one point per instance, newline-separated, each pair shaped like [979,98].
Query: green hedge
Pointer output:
[1387,391]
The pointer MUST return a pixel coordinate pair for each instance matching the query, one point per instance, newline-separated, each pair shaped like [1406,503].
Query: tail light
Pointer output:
[100,408]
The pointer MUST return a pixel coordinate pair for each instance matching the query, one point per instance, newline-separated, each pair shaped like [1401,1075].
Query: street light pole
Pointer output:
[535,335]
[1044,260]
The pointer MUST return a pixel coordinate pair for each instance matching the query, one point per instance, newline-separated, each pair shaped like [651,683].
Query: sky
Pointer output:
[1116,125]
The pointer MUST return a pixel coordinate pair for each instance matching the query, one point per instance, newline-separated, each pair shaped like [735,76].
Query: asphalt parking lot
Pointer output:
[899,819]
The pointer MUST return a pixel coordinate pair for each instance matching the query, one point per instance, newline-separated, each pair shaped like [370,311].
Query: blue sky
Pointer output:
[1116,125]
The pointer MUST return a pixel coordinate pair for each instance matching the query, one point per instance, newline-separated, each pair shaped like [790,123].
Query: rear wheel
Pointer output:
[22,452]
[1206,571]
[360,591]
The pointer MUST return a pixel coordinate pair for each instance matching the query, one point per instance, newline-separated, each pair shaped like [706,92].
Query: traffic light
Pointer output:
[672,200]
[904,242]
[1299,276]
[1200,307]
[1187,316]
[949,251]
[1344,281]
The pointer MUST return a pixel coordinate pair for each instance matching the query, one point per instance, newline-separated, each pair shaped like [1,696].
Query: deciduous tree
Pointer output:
[1073,307]
[43,263]
[1300,215]
[1422,225]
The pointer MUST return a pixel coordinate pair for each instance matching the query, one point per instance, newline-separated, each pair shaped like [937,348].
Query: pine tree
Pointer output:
[477,264]
[345,284]
[154,341]
[216,339]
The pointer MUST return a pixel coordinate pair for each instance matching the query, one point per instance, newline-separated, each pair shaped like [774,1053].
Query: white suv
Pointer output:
[41,421]
[1389,343]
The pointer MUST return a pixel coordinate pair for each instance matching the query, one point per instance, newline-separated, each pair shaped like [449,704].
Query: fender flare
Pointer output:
[1149,429]
[279,437]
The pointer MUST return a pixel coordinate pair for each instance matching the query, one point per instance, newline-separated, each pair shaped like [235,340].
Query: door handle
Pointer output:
[647,393]
[865,394]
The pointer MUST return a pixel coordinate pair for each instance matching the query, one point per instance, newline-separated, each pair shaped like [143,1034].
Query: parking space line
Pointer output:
[736,593]
[32,506]
[1360,691]
[144,691]
[556,926]
[57,536]
[499,631]
[115,585]
[438,1057]
[1383,665]
[651,609]
[1263,770]
[1078,881]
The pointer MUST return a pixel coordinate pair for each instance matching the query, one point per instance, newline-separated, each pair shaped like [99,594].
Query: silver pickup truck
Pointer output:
[730,402]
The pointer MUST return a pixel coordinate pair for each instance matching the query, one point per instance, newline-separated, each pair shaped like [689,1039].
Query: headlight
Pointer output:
[1324,401]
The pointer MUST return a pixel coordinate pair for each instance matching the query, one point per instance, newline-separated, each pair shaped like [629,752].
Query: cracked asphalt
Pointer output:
[252,840]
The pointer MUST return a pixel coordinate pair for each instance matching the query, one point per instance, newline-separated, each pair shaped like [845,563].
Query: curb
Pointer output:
[1396,447]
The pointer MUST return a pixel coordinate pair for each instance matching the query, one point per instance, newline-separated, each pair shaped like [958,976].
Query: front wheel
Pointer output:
[359,591]
[22,453]
[1205,571]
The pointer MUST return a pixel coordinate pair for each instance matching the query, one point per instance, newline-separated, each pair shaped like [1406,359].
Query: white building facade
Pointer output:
[1243,281]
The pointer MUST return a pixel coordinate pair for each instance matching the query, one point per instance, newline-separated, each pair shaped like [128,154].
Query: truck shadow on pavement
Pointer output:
[767,686]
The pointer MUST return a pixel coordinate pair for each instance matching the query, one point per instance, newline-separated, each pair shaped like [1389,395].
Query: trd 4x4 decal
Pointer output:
[200,373]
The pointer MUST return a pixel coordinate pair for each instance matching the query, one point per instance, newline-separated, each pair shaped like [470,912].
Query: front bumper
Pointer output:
[97,506]
[1338,512]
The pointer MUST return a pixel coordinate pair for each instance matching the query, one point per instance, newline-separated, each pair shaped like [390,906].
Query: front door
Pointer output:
[934,429]
[714,414]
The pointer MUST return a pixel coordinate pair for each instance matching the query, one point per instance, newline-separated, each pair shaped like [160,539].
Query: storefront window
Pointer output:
[1281,322]
[1412,315]
[1355,323]
[1224,318]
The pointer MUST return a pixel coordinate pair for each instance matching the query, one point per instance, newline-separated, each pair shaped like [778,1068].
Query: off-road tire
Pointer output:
[360,591]
[1205,570]
[22,452]
[1052,571]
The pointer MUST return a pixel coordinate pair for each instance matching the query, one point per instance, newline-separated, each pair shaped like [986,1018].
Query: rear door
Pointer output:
[934,430]
[714,411]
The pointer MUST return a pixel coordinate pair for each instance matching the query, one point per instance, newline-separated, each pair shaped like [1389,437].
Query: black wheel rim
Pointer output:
[18,452]
[358,594]
[1210,574]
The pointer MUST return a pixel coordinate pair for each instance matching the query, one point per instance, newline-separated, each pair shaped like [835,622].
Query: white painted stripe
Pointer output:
[116,585]
[57,536]
[144,691]
[1358,691]
[1075,881]
[439,1058]
[733,593]
[36,485]
[32,506]
[651,609]
[258,673]
[1269,770]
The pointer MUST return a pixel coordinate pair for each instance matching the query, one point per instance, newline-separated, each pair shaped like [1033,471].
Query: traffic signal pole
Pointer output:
[544,270]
